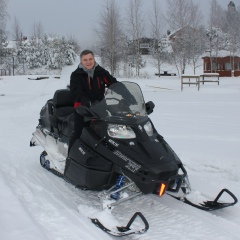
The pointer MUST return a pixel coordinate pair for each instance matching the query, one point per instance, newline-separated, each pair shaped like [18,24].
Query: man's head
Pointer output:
[87,59]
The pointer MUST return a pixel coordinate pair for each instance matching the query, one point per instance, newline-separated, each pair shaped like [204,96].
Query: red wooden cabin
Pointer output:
[224,64]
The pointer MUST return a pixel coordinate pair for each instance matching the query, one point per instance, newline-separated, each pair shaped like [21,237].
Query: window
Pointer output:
[237,66]
[205,66]
[214,66]
[228,66]
[144,45]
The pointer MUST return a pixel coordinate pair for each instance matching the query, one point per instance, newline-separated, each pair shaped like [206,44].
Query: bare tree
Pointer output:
[37,30]
[16,30]
[184,17]
[110,35]
[216,15]
[3,20]
[232,28]
[136,29]
[182,13]
[75,43]
[156,21]
[197,46]
[217,21]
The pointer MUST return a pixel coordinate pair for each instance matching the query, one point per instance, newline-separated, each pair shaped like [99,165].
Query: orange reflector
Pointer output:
[162,189]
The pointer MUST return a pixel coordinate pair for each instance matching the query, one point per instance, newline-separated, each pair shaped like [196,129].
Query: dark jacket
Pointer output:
[86,90]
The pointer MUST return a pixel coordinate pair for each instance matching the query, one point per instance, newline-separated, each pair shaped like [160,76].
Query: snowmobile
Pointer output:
[120,154]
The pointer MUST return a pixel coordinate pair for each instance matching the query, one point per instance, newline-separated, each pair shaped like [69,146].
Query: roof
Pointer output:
[11,45]
[222,53]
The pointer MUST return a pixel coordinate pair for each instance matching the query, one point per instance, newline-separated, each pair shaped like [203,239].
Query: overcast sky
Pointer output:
[74,17]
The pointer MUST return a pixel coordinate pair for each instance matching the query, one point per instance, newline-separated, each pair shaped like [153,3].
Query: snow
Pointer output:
[201,126]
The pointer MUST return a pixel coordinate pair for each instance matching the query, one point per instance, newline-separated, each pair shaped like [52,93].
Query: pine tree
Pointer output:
[51,53]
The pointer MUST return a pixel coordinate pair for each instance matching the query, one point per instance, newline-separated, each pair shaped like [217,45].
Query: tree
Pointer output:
[67,51]
[52,53]
[197,46]
[214,34]
[3,20]
[16,30]
[73,41]
[37,30]
[136,29]
[60,53]
[216,15]
[216,40]
[157,49]
[232,28]
[34,56]
[110,35]
[184,17]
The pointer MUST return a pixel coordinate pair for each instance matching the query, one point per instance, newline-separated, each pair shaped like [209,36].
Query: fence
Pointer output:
[10,66]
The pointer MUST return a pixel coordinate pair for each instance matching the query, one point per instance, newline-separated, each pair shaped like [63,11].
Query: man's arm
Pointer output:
[109,79]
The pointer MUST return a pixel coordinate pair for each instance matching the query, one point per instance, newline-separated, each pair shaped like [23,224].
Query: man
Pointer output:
[87,86]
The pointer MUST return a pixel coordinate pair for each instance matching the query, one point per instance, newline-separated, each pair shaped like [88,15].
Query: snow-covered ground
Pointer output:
[203,127]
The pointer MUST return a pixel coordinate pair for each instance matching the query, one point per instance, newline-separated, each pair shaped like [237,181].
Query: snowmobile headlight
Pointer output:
[120,131]
[148,128]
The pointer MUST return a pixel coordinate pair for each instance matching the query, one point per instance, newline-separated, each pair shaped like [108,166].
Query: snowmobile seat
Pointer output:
[62,98]
[45,112]
[62,109]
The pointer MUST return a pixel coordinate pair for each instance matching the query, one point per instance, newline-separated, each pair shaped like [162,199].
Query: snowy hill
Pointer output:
[201,126]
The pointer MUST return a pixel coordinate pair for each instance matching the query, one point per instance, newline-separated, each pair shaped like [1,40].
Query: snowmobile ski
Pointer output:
[124,231]
[210,205]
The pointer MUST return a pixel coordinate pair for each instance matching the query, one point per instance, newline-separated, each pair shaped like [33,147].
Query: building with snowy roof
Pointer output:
[224,63]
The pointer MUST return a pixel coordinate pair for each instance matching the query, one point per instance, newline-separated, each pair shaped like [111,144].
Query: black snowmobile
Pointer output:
[120,151]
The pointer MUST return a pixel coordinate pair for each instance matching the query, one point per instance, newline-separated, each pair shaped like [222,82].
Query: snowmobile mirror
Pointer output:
[149,107]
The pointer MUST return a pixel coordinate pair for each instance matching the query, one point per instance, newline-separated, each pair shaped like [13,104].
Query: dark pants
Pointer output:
[79,124]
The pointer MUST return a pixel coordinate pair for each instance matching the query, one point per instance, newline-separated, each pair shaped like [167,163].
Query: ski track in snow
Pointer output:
[204,132]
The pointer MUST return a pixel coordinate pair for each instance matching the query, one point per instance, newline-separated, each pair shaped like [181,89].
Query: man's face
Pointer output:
[88,61]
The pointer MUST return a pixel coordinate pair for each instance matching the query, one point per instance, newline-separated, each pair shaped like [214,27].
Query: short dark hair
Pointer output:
[86,52]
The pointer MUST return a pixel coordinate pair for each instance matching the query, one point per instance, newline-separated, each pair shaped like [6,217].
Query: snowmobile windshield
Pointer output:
[122,100]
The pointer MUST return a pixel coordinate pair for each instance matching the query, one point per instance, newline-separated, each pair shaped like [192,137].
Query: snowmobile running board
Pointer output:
[124,231]
[210,205]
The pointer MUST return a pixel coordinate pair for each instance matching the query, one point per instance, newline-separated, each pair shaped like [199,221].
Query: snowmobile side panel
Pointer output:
[85,168]
[83,155]
[84,177]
